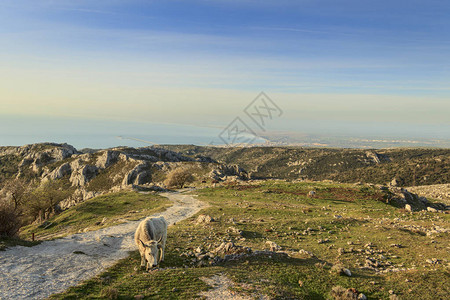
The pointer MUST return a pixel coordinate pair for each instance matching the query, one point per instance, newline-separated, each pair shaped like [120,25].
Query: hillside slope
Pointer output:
[44,179]
[409,167]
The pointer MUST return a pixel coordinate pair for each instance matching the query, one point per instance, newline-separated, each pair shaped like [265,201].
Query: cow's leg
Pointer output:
[162,253]
[142,261]
[163,247]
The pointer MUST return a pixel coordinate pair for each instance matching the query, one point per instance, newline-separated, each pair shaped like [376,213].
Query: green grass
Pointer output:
[87,216]
[281,212]
[6,242]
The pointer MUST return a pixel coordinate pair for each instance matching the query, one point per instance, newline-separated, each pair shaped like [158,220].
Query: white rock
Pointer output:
[362,297]
[408,207]
[273,246]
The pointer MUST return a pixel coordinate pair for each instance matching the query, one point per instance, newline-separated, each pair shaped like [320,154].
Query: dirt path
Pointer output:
[52,266]
[221,285]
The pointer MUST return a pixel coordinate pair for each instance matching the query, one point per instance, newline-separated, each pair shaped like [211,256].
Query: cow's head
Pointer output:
[152,253]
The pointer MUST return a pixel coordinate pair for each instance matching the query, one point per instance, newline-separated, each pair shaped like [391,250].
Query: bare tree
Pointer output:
[19,190]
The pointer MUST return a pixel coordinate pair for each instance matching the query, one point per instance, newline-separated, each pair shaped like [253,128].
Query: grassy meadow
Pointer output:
[390,253]
[99,212]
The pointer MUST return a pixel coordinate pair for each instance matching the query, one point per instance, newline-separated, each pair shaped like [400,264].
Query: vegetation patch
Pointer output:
[6,242]
[98,212]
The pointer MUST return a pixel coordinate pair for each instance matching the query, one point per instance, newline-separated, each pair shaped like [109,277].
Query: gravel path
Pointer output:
[52,266]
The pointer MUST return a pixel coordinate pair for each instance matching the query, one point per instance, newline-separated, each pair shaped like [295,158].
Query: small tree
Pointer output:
[179,177]
[43,201]
[18,190]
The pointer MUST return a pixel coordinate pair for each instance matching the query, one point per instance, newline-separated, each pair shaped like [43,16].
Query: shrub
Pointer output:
[340,293]
[109,293]
[9,219]
[179,177]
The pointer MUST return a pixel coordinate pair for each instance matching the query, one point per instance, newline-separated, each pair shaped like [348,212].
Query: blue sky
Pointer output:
[201,62]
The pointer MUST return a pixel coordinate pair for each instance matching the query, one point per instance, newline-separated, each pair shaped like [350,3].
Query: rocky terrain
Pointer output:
[401,166]
[263,232]
[268,239]
[436,191]
[86,174]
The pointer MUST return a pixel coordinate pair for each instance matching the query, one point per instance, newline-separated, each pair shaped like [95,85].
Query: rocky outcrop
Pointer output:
[223,171]
[81,174]
[107,158]
[38,155]
[113,169]
[55,151]
[376,157]
[138,175]
[411,202]
[78,196]
[60,172]
[436,191]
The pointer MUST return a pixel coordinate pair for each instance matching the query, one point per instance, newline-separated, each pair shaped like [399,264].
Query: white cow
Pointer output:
[150,237]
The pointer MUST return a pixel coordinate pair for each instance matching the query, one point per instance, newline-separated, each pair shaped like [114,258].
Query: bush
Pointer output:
[9,219]
[179,177]
[110,293]
[340,293]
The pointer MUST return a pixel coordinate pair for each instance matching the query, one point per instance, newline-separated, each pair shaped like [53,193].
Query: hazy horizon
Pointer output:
[109,134]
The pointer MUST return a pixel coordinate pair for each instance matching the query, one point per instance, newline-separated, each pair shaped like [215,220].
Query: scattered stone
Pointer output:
[204,219]
[338,269]
[431,209]
[322,241]
[347,272]
[234,230]
[368,245]
[229,248]
[273,246]
[362,297]
[408,207]
[433,261]
[304,252]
